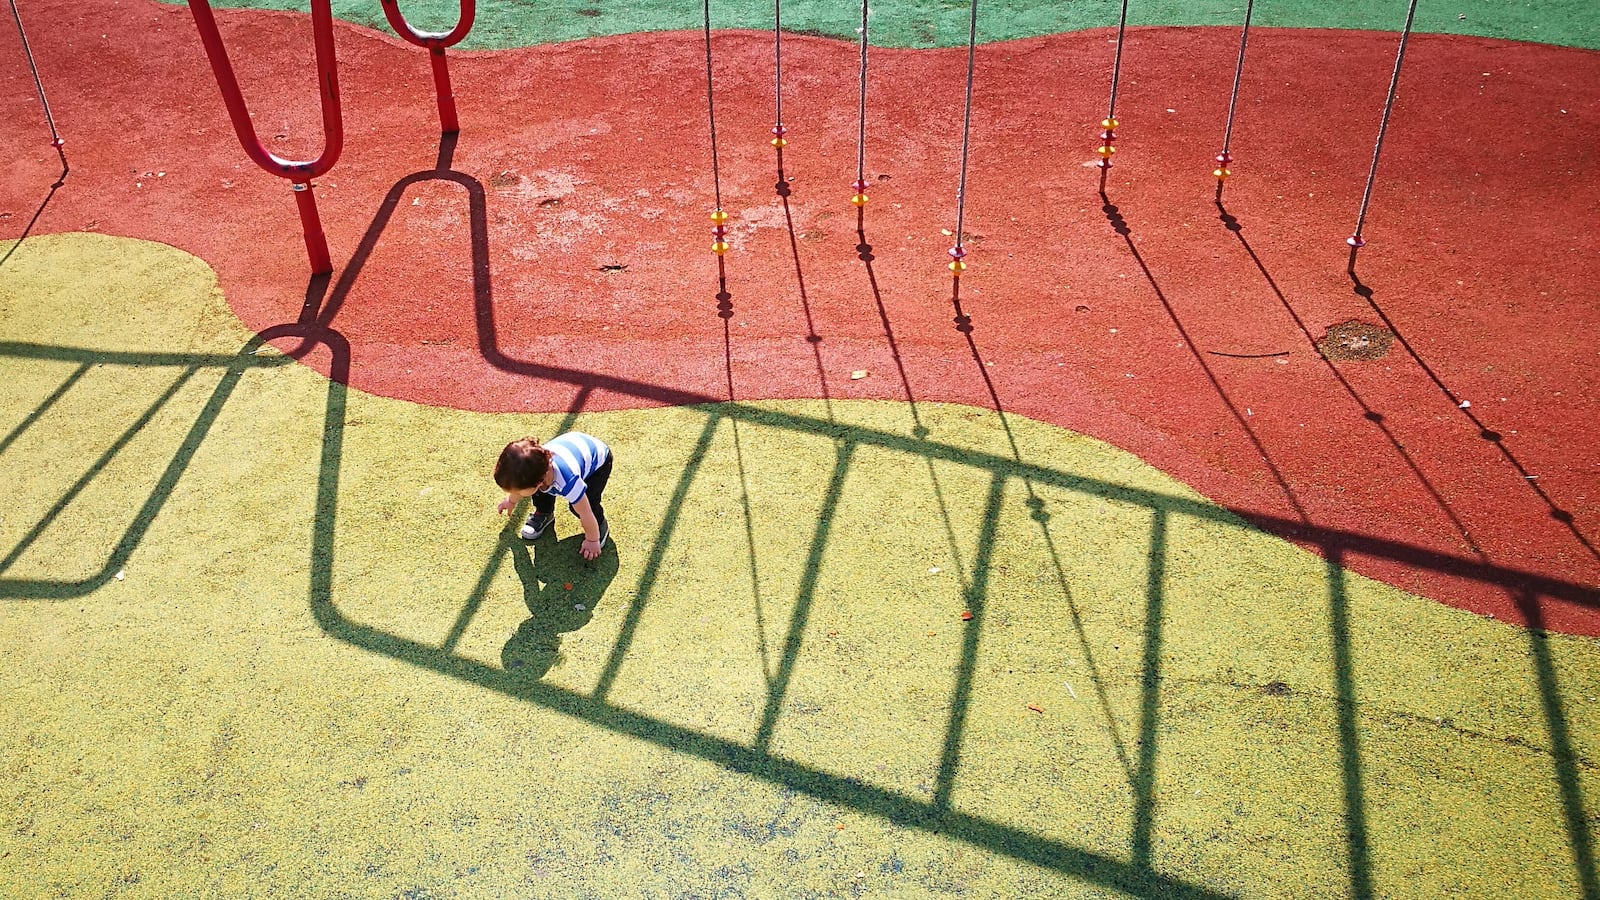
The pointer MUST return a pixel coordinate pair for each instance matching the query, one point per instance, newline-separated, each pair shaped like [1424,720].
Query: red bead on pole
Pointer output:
[861,185]
[957,266]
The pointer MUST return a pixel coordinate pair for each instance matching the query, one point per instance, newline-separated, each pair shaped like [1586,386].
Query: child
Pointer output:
[574,467]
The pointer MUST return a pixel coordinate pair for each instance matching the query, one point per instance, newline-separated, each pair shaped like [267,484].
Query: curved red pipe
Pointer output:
[298,172]
[435,42]
[430,39]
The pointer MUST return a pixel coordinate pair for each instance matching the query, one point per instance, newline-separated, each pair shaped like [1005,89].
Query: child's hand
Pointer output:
[507,504]
[590,549]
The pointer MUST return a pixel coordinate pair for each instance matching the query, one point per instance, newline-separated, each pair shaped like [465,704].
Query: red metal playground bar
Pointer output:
[436,42]
[298,173]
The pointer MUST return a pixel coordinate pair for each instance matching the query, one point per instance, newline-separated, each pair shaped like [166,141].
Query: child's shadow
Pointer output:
[562,590]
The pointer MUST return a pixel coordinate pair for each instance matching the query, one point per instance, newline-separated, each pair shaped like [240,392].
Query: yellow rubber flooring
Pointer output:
[265,636]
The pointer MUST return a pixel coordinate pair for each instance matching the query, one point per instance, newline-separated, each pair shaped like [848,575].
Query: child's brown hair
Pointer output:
[522,465]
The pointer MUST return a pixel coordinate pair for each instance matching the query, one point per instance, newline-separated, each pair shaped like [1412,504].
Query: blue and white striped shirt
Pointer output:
[573,457]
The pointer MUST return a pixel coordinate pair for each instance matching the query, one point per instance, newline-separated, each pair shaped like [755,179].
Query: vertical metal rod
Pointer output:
[448,123]
[777,52]
[1225,158]
[1355,240]
[861,126]
[1238,74]
[49,120]
[957,263]
[1116,63]
[311,224]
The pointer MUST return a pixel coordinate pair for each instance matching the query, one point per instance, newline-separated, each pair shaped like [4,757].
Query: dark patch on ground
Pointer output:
[816,32]
[1355,340]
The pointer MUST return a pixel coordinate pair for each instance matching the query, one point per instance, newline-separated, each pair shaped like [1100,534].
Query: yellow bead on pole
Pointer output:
[719,217]
[1106,150]
[859,200]
[958,267]
[1108,124]
[780,143]
[1222,174]
[719,248]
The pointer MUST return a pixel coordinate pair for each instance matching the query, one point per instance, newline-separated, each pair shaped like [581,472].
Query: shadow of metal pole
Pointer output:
[1359,854]
[1120,226]
[1573,807]
[1464,408]
[805,597]
[1144,776]
[975,595]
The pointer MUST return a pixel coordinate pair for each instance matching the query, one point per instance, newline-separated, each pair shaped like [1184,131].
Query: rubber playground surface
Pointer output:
[1174,556]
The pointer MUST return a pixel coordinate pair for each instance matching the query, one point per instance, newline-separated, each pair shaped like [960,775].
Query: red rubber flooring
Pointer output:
[562,262]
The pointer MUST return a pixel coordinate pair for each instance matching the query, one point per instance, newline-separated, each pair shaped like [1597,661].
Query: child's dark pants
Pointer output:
[596,482]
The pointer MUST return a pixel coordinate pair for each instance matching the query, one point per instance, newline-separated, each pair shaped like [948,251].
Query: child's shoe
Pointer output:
[605,532]
[538,523]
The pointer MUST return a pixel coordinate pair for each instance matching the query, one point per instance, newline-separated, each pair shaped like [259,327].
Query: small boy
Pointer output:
[574,467]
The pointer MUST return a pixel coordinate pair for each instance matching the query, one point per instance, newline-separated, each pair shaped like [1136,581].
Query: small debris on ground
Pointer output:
[859,374]
[1036,707]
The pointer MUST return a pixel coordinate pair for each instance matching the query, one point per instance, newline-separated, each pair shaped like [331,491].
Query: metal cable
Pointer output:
[55,138]
[861,132]
[1394,85]
[966,126]
[1238,73]
[777,52]
[711,112]
[1116,65]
